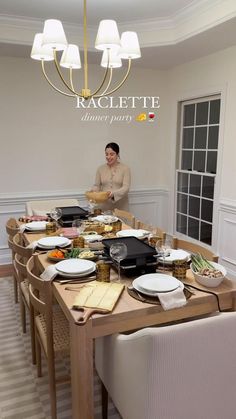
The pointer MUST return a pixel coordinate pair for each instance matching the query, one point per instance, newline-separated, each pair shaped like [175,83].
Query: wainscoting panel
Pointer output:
[147,205]
[227,236]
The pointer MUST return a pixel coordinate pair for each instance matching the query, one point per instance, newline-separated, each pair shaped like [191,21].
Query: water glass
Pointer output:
[118,252]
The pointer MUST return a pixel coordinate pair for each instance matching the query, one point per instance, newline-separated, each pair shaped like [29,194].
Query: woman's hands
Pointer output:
[110,194]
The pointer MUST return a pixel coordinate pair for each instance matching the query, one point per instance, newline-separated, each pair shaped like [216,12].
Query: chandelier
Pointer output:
[47,44]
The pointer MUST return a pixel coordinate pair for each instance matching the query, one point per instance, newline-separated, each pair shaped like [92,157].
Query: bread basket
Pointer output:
[97,197]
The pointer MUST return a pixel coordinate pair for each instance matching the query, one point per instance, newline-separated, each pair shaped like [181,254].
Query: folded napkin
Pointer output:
[49,273]
[32,245]
[22,228]
[172,299]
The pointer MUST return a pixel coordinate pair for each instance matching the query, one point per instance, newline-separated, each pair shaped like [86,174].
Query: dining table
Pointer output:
[129,314]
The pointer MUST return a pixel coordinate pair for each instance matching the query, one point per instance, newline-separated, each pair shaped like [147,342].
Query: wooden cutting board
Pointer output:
[97,297]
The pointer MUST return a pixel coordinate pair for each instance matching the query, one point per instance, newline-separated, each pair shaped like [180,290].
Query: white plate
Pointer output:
[36,225]
[154,283]
[175,255]
[92,237]
[154,294]
[51,242]
[140,234]
[74,266]
[106,219]
[77,275]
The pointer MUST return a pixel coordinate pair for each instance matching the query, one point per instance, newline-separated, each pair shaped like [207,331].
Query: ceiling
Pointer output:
[170,31]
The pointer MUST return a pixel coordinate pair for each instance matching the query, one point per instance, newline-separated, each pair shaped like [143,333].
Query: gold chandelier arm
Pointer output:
[71,79]
[120,84]
[103,81]
[51,84]
[108,84]
[61,76]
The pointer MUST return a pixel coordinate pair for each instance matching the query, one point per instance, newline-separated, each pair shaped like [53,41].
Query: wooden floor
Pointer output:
[5,270]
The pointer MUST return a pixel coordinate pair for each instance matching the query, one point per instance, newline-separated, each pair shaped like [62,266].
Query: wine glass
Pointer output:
[118,252]
[56,214]
[79,225]
[163,250]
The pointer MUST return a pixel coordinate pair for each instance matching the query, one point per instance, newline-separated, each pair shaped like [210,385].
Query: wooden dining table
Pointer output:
[129,314]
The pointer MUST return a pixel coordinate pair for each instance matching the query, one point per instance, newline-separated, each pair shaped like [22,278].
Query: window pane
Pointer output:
[181,224]
[188,138]
[202,113]
[213,137]
[193,228]
[183,182]
[206,233]
[207,209]
[214,112]
[195,185]
[208,187]
[187,157]
[199,161]
[194,206]
[189,115]
[182,203]
[211,161]
[201,137]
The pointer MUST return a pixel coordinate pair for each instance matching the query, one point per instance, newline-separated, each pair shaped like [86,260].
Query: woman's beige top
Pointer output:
[116,179]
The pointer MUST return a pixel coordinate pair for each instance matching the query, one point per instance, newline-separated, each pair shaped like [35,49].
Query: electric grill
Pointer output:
[69,214]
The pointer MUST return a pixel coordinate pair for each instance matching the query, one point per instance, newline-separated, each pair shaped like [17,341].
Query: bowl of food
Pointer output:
[207,273]
[97,197]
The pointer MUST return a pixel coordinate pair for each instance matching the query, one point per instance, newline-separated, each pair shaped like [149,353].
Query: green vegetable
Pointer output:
[199,262]
[73,253]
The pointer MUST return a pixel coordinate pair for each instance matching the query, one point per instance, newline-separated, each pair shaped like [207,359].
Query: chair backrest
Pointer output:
[181,371]
[194,248]
[19,248]
[126,216]
[12,227]
[41,297]
[156,230]
[20,265]
[43,207]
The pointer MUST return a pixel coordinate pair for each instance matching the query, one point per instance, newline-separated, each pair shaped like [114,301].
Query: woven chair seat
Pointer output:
[60,331]
[24,285]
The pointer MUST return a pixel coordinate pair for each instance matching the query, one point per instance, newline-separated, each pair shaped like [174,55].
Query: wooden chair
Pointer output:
[125,216]
[22,255]
[194,248]
[51,328]
[12,228]
[178,371]
[156,230]
[43,207]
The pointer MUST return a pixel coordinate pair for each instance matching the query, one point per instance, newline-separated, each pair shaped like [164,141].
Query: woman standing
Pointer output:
[113,177]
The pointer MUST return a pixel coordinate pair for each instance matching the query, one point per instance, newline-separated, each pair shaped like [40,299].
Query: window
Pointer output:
[197,167]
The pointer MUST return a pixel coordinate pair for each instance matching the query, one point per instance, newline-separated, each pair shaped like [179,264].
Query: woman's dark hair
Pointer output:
[115,147]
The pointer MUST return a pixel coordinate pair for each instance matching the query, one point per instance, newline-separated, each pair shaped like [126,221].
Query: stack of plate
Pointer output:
[152,284]
[175,255]
[51,242]
[75,268]
[36,226]
[140,234]
[106,219]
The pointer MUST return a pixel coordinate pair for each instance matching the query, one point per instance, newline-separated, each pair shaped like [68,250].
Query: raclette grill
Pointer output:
[140,255]
[69,214]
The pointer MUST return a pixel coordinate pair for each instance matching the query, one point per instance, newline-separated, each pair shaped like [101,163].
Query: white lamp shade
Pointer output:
[54,35]
[129,46]
[108,35]
[70,57]
[40,52]
[114,60]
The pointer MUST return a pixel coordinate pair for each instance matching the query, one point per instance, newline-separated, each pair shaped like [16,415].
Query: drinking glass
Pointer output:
[163,250]
[79,225]
[118,252]
[56,214]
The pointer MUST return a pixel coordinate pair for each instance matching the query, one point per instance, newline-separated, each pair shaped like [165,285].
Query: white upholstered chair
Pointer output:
[182,371]
[43,207]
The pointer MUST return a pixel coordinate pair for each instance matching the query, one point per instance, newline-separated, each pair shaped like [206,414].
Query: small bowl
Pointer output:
[210,282]
[97,197]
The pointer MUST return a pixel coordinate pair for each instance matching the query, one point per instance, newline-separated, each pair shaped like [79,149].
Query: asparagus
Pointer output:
[199,262]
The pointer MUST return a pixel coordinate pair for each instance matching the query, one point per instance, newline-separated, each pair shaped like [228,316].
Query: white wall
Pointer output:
[209,75]
[50,148]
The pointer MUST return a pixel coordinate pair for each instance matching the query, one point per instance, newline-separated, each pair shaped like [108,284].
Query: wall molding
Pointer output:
[149,205]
